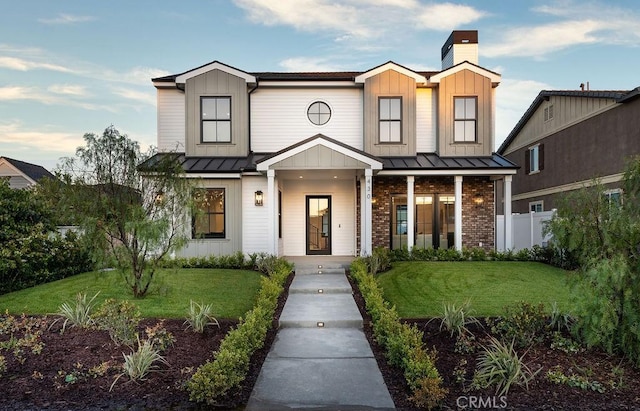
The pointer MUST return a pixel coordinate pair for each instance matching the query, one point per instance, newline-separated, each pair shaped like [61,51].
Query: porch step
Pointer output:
[306,310]
[320,284]
[319,269]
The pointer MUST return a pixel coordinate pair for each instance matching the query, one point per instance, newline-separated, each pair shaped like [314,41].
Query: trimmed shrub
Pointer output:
[214,379]
[402,342]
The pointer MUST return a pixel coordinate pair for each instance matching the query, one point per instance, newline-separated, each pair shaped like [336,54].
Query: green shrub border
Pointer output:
[403,343]
[214,379]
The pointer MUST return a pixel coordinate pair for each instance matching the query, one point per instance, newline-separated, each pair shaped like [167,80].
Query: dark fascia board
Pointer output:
[544,95]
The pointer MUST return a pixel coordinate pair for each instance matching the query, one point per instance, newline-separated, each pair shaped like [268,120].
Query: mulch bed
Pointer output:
[59,378]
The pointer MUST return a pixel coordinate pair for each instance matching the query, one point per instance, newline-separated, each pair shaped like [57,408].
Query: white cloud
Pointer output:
[139,96]
[63,18]
[49,97]
[315,64]
[14,63]
[45,138]
[448,16]
[578,23]
[359,20]
[68,89]
[541,40]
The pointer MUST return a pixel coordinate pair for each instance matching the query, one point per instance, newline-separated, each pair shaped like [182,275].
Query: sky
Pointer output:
[78,66]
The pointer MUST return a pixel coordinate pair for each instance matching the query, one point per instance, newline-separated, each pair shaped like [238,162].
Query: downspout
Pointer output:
[249,113]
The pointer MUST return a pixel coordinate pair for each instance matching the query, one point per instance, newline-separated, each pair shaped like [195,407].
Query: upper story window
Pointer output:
[390,115]
[534,160]
[209,219]
[216,119]
[319,113]
[465,119]
[548,112]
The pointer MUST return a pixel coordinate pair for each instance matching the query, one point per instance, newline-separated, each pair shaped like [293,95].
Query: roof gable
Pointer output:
[465,65]
[31,172]
[214,65]
[351,157]
[390,65]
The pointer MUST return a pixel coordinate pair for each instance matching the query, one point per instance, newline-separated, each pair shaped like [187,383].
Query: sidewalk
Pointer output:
[320,358]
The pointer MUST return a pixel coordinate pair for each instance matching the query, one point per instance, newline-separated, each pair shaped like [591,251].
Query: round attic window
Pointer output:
[319,113]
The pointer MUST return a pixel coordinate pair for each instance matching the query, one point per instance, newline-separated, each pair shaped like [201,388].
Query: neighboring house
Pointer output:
[338,163]
[566,139]
[20,173]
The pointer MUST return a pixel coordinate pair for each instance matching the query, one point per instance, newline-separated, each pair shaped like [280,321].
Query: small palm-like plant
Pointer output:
[140,362]
[500,365]
[78,314]
[456,318]
[199,316]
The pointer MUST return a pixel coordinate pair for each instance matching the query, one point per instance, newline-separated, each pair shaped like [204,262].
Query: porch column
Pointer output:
[272,243]
[508,218]
[410,212]
[458,213]
[366,214]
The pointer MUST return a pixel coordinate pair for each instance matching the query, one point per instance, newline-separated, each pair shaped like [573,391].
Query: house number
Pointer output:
[368,183]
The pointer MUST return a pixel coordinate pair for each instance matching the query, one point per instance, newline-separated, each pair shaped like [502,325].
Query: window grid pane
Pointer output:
[464,126]
[216,119]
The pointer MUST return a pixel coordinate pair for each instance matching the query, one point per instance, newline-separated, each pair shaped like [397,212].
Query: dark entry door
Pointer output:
[318,225]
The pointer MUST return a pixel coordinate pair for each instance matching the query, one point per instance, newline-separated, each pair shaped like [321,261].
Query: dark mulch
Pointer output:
[42,381]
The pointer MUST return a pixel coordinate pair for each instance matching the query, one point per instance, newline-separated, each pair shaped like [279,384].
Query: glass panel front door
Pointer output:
[319,225]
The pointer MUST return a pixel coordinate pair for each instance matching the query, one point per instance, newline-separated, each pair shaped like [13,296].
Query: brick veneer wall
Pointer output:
[477,221]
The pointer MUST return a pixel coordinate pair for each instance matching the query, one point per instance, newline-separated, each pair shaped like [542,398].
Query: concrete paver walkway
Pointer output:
[320,358]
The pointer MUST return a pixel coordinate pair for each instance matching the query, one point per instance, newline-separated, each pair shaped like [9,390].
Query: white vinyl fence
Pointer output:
[526,232]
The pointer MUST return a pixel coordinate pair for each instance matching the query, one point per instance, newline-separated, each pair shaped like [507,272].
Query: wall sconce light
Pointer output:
[258,198]
[478,199]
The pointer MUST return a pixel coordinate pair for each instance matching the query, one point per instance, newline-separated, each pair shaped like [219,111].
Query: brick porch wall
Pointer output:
[477,221]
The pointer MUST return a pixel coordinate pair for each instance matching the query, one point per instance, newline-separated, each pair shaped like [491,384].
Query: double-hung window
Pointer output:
[465,119]
[216,119]
[208,221]
[390,115]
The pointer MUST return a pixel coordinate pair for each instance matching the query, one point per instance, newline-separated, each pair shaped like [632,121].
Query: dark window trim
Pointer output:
[222,235]
[216,120]
[474,120]
[330,113]
[398,120]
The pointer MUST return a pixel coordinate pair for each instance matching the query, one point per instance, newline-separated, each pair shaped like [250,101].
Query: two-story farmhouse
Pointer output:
[566,139]
[338,163]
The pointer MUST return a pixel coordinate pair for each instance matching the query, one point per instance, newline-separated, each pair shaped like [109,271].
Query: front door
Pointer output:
[318,225]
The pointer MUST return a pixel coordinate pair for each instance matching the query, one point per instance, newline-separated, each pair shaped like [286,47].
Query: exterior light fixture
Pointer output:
[320,324]
[478,199]
[259,198]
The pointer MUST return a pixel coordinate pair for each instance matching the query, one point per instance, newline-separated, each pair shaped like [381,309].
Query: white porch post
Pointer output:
[458,213]
[272,243]
[366,214]
[508,218]
[410,212]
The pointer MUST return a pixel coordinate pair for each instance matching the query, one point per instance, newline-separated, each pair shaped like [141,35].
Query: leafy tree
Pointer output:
[133,206]
[21,213]
[605,237]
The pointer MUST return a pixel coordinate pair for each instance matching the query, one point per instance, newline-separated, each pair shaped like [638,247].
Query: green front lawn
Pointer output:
[418,289]
[230,292]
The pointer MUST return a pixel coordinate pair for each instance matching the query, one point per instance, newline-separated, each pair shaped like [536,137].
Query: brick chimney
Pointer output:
[460,46]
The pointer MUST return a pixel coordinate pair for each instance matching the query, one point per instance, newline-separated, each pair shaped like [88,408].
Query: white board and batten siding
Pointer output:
[254,218]
[171,120]
[279,117]
[426,103]
[343,218]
